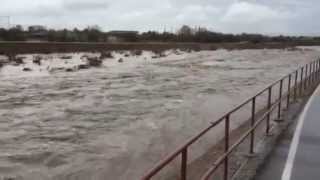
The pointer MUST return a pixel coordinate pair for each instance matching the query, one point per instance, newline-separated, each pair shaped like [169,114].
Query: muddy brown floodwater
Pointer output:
[115,121]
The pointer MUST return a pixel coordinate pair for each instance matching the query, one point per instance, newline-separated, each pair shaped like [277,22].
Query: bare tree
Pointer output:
[185,30]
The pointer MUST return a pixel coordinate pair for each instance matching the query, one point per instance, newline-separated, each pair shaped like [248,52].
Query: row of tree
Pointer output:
[17,33]
[184,34]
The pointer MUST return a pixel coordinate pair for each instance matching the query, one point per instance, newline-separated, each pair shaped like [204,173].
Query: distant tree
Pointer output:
[93,33]
[185,31]
[184,34]
[3,33]
[52,35]
[15,34]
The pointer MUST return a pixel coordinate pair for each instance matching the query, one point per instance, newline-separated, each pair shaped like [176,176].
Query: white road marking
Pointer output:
[286,175]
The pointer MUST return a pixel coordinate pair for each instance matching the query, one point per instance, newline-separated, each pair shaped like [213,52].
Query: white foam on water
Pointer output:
[119,119]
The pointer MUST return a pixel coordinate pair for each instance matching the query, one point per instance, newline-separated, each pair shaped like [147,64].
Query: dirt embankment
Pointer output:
[49,47]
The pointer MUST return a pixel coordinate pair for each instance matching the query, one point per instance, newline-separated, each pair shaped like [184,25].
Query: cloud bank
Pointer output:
[234,16]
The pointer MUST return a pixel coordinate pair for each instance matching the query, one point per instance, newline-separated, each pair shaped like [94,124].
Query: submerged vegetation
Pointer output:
[72,62]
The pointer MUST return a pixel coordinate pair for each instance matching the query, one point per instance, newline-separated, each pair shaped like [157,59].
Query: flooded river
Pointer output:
[115,121]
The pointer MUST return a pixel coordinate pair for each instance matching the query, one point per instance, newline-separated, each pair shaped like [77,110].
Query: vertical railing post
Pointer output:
[310,74]
[253,112]
[184,159]
[309,77]
[313,73]
[316,64]
[319,65]
[289,87]
[226,147]
[280,99]
[301,82]
[269,106]
[295,86]
[306,77]
[318,70]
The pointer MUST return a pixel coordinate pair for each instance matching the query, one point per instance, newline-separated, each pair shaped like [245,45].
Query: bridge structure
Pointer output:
[280,96]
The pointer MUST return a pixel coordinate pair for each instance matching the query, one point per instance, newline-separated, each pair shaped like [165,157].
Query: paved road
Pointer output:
[297,157]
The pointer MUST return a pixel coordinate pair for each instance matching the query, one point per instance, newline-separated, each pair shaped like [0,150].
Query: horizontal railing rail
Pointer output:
[296,86]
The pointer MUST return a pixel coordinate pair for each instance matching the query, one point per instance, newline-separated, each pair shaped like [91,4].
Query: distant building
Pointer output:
[37,28]
[122,36]
[37,33]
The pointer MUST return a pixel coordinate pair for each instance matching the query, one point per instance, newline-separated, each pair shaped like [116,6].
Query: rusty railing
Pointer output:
[309,77]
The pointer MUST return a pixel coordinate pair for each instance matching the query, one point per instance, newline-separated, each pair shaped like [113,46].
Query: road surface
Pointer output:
[297,157]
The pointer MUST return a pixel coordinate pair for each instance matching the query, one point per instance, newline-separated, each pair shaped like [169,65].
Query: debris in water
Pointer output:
[105,55]
[56,69]
[120,60]
[158,54]
[94,61]
[16,59]
[66,57]
[83,66]
[37,60]
[27,69]
[84,57]
[69,70]
[137,52]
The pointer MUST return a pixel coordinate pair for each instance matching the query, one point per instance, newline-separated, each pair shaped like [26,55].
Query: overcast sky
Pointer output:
[235,16]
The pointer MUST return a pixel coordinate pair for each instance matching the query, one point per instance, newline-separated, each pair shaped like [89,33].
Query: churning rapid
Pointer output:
[61,119]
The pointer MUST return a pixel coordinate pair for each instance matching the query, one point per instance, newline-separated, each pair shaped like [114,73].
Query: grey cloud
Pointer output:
[82,5]
[236,16]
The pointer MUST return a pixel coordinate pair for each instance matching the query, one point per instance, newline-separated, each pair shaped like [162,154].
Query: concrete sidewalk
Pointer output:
[297,156]
[273,168]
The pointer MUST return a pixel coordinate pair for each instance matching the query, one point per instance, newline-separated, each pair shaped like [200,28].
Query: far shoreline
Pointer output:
[21,47]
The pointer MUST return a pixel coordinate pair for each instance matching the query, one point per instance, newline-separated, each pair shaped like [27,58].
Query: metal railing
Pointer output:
[309,77]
